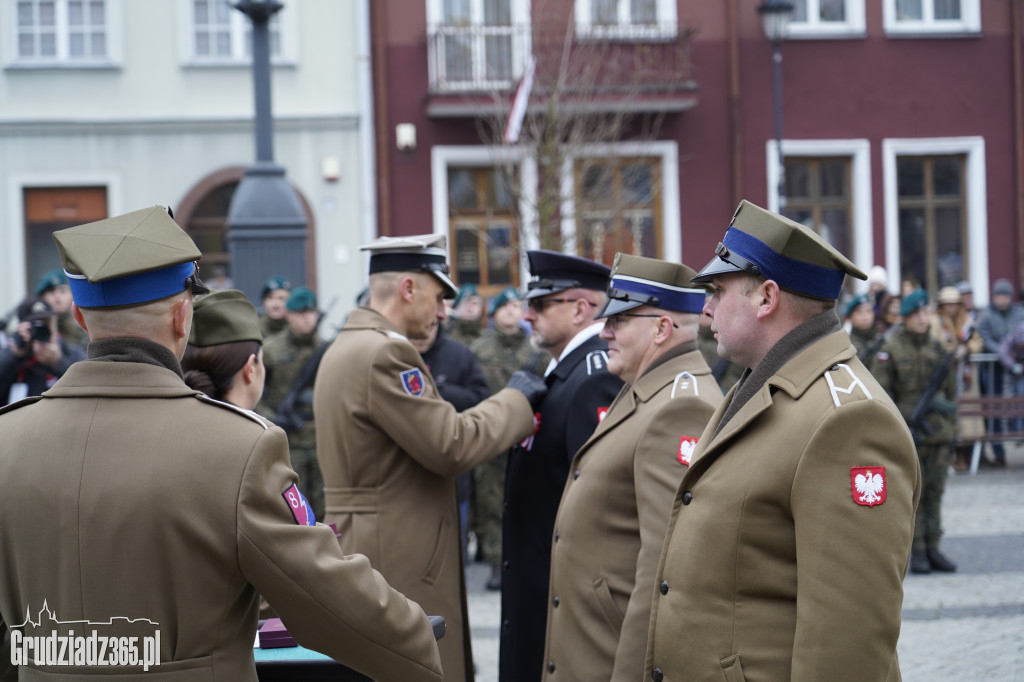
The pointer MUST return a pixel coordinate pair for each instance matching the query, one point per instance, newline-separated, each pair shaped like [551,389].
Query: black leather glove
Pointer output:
[530,385]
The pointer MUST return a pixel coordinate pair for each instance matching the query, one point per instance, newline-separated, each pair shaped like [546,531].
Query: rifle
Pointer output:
[917,422]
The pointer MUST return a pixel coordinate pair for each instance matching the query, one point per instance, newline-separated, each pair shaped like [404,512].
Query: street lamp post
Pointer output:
[775,18]
[266,220]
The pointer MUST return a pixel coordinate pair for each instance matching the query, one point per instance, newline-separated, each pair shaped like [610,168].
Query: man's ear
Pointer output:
[769,293]
[182,318]
[664,331]
[79,318]
[407,288]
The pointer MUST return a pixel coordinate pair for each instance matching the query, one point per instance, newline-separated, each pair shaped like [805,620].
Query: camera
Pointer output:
[40,332]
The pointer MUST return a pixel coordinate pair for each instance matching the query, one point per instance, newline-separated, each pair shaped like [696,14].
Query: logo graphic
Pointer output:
[299,506]
[48,641]
[687,444]
[412,381]
[602,412]
[868,485]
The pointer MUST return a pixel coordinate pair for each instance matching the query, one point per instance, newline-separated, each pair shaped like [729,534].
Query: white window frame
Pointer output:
[969,23]
[667,27]
[668,153]
[113,16]
[442,157]
[522,44]
[859,153]
[814,28]
[975,197]
[284,21]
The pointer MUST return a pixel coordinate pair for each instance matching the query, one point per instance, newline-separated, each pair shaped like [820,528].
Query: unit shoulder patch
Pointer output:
[868,485]
[412,381]
[687,444]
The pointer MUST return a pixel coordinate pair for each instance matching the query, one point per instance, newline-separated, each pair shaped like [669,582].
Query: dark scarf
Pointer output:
[788,347]
[130,349]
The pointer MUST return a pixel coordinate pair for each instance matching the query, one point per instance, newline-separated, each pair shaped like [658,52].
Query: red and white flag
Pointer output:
[519,101]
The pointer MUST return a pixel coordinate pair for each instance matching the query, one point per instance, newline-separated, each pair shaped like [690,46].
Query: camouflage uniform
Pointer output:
[499,355]
[903,367]
[868,343]
[270,326]
[71,332]
[465,331]
[284,355]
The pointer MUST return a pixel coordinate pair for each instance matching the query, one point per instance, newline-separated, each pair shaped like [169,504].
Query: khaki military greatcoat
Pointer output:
[126,495]
[612,518]
[390,448]
[779,564]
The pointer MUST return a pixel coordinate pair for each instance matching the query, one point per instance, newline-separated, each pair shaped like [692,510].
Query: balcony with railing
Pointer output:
[645,67]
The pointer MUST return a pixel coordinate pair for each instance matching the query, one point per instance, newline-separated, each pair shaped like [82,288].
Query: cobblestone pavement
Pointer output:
[962,626]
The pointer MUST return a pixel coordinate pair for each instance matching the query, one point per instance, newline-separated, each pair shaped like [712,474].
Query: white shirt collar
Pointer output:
[577,341]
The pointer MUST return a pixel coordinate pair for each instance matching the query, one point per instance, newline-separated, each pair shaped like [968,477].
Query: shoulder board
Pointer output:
[393,334]
[21,403]
[844,385]
[235,408]
[597,361]
[684,384]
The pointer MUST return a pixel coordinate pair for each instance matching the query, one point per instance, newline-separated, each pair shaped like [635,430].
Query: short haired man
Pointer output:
[791,530]
[390,447]
[276,292]
[628,469]
[129,498]
[563,298]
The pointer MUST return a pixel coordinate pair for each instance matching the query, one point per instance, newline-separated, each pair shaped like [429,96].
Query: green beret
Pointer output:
[224,317]
[464,292]
[856,302]
[507,295]
[275,283]
[51,280]
[302,298]
[913,302]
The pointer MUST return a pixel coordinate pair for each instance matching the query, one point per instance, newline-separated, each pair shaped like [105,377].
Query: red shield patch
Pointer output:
[687,444]
[868,485]
[602,412]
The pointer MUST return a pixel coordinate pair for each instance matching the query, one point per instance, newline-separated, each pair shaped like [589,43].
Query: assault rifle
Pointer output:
[918,422]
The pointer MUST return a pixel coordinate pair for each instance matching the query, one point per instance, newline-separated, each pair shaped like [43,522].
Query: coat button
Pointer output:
[576,474]
[657,675]
[664,587]
[554,601]
[687,496]
[551,666]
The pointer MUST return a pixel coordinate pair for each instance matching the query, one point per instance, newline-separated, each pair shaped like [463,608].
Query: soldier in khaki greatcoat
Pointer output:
[791,530]
[390,447]
[603,563]
[128,500]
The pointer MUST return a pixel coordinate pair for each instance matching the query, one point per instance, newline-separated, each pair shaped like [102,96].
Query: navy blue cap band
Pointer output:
[660,295]
[141,288]
[795,275]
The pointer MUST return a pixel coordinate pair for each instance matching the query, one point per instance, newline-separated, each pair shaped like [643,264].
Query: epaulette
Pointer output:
[21,403]
[235,408]
[597,361]
[844,385]
[393,334]
[684,384]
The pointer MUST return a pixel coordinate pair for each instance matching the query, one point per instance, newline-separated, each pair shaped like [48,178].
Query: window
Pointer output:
[819,195]
[220,33]
[932,219]
[63,31]
[932,16]
[827,18]
[483,230]
[477,44]
[618,207]
[626,19]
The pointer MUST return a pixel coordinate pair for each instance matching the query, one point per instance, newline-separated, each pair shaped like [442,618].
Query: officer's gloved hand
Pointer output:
[530,385]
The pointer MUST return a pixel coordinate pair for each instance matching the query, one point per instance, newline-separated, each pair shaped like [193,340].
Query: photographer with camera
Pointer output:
[37,355]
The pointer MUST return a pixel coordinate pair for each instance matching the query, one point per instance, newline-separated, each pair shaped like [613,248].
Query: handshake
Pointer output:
[530,385]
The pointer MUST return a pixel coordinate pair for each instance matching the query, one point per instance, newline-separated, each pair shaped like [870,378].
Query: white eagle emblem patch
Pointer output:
[868,485]
[687,444]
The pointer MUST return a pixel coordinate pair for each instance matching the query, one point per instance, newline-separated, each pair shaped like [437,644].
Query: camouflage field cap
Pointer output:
[763,243]
[129,259]
[554,271]
[420,253]
[224,316]
[638,281]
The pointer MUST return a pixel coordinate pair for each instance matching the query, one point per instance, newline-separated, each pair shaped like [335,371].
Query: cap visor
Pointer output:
[717,266]
[450,289]
[614,306]
[542,291]
[198,286]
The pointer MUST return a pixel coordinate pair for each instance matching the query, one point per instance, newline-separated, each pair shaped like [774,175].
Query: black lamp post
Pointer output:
[266,221]
[775,17]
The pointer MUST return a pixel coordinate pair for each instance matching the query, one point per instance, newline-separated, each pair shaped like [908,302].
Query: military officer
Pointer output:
[130,497]
[563,298]
[791,530]
[905,366]
[603,564]
[286,355]
[274,298]
[390,447]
